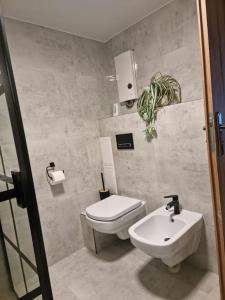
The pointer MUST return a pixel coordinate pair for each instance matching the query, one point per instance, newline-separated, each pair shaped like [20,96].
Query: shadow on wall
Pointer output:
[57,190]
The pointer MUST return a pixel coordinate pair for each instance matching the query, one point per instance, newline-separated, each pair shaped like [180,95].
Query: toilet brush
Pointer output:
[103,193]
[103,183]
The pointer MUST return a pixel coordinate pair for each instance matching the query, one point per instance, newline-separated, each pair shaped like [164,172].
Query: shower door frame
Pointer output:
[25,169]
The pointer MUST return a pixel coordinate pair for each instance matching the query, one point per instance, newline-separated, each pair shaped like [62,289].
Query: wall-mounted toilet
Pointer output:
[115,214]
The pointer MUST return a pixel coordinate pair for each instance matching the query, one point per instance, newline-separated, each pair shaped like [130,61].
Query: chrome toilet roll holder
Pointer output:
[49,169]
[51,166]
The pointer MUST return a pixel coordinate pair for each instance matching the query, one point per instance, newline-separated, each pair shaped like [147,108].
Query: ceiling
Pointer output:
[95,19]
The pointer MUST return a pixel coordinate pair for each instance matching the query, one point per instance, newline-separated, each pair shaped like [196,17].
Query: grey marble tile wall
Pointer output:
[60,80]
[167,41]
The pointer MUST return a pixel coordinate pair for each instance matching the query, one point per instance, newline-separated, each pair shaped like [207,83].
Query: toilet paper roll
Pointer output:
[56,177]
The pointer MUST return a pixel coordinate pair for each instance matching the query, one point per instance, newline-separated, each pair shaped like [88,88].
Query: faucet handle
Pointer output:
[174,197]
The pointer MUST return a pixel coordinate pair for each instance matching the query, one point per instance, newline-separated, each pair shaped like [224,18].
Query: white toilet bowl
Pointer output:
[115,214]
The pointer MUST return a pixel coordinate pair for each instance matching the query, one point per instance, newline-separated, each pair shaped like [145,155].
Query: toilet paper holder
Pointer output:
[54,177]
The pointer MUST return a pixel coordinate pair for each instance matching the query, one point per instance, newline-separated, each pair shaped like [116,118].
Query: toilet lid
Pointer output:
[112,208]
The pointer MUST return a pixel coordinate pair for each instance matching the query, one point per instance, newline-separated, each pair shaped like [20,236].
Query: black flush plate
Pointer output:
[125,141]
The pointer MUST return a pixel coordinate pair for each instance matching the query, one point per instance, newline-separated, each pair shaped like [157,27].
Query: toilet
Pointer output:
[115,214]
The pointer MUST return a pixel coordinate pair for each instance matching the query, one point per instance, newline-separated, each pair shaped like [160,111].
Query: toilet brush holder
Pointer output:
[104,194]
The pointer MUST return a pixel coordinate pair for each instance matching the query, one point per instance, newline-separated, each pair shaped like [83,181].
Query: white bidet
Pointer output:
[169,237]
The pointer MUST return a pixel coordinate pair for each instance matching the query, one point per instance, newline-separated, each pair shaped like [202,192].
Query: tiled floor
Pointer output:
[124,273]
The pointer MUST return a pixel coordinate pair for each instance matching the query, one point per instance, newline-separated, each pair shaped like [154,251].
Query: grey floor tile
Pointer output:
[63,293]
[123,272]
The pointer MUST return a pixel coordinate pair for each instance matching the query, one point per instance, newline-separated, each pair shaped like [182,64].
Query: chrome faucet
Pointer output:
[174,203]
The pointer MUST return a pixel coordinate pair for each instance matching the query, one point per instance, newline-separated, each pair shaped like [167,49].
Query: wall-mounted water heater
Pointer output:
[126,76]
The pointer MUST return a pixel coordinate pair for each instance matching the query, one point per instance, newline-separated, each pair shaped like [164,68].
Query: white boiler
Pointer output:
[126,76]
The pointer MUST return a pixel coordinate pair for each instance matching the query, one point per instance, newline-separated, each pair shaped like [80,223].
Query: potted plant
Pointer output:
[163,90]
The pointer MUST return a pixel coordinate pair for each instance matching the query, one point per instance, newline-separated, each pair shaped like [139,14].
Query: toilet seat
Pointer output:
[112,208]
[115,214]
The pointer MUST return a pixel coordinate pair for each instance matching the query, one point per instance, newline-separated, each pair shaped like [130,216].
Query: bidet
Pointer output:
[172,242]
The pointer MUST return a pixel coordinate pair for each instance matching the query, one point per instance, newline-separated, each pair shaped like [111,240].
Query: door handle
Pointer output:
[220,127]
[17,182]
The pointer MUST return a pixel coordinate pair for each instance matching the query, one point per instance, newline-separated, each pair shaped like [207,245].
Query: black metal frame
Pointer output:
[25,169]
[4,196]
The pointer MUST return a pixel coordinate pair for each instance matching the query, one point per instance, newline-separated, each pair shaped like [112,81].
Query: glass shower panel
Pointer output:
[8,150]
[17,274]
[18,206]
[14,219]
[23,232]
[7,221]
[32,279]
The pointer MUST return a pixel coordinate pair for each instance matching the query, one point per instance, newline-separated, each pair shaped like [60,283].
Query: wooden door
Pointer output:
[211,16]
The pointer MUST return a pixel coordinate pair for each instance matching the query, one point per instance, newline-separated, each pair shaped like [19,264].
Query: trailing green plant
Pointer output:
[162,90]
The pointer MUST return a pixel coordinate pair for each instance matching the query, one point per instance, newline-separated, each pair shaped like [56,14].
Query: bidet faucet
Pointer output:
[174,203]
